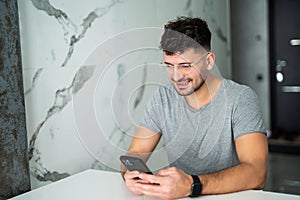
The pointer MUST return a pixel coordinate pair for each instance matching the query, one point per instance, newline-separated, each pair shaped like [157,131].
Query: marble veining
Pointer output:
[221,35]
[207,8]
[62,98]
[188,6]
[34,81]
[118,135]
[71,33]
[142,90]
[42,174]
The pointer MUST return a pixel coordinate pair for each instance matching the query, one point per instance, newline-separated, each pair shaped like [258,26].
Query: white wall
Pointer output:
[89,68]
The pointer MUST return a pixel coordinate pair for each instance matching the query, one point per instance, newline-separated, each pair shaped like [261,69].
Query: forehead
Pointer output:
[189,55]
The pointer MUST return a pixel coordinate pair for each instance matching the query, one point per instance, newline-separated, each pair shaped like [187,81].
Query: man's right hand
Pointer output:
[131,178]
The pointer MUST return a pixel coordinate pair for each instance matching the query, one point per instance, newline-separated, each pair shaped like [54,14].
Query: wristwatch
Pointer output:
[196,188]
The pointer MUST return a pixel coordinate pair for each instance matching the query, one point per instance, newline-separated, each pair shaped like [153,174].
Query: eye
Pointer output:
[168,66]
[185,66]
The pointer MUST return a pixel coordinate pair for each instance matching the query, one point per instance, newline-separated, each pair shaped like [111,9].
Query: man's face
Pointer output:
[185,79]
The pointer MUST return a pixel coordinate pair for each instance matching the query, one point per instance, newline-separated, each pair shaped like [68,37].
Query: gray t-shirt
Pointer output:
[203,141]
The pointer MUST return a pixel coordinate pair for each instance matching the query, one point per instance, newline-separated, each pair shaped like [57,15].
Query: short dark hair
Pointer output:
[184,33]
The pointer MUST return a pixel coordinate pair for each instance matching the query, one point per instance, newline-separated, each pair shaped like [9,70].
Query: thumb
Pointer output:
[166,172]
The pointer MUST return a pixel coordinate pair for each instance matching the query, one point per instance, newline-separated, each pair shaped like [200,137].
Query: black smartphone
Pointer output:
[135,163]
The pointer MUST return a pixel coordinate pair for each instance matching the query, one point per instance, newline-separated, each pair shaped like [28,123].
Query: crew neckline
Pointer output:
[209,103]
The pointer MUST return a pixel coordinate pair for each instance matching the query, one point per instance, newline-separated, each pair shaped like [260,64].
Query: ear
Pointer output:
[210,59]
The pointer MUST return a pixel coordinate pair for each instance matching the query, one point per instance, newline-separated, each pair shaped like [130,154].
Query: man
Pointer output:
[212,127]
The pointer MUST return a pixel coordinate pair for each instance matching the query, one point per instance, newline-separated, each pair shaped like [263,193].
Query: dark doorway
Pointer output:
[285,75]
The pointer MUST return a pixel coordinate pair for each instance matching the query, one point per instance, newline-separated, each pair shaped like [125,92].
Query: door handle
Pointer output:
[295,42]
[281,64]
[293,89]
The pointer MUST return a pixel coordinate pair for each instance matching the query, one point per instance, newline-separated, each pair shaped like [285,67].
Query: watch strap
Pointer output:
[196,187]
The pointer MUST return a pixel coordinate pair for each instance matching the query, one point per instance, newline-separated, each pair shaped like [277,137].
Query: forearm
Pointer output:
[240,177]
[143,143]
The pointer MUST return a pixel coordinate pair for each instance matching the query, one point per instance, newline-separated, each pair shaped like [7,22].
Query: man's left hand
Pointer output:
[170,183]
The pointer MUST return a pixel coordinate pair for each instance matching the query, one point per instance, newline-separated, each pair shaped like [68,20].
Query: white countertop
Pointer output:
[95,184]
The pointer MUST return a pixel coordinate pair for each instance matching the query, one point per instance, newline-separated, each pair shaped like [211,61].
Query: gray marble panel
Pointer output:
[14,169]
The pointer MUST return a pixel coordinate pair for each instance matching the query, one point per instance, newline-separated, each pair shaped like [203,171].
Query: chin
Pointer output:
[185,92]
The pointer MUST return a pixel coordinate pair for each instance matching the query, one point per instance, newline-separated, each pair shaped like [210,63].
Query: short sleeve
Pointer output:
[153,114]
[247,116]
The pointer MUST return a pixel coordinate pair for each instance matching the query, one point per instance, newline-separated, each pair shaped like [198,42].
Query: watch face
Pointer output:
[196,189]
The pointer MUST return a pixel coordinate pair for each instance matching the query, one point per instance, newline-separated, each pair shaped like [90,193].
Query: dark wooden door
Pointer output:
[285,68]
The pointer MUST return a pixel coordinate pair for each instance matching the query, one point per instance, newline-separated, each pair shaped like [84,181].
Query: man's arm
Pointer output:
[144,142]
[252,150]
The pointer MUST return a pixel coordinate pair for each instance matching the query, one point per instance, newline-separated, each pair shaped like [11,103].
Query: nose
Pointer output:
[176,75]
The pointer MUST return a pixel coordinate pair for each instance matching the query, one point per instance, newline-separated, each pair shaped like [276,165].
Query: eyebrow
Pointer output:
[178,63]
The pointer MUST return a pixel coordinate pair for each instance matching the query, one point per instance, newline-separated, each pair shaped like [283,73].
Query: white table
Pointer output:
[98,185]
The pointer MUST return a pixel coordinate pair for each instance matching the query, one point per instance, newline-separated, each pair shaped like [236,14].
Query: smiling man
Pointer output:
[212,127]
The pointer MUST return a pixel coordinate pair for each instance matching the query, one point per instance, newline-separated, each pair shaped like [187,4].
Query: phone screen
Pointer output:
[135,163]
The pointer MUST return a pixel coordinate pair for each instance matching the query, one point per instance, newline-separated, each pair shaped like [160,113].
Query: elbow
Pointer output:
[257,176]
[261,184]
[261,179]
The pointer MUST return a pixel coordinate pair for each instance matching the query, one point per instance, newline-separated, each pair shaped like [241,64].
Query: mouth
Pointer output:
[182,84]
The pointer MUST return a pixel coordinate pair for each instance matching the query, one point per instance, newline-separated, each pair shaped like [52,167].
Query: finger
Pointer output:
[130,184]
[150,178]
[135,190]
[167,172]
[150,190]
[142,181]
[163,172]
[131,175]
[147,187]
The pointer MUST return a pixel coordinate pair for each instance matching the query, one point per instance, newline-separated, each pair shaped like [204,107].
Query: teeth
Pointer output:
[186,82]
[183,83]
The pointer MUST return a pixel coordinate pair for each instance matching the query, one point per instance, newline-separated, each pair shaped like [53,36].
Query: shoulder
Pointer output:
[233,86]
[165,92]
[237,91]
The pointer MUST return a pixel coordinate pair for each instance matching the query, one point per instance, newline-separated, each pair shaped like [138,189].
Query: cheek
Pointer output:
[202,73]
[196,79]
[195,76]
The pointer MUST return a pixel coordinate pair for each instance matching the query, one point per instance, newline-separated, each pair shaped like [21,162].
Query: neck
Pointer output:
[205,93]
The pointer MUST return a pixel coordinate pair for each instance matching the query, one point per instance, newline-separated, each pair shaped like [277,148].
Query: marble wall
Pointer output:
[89,68]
